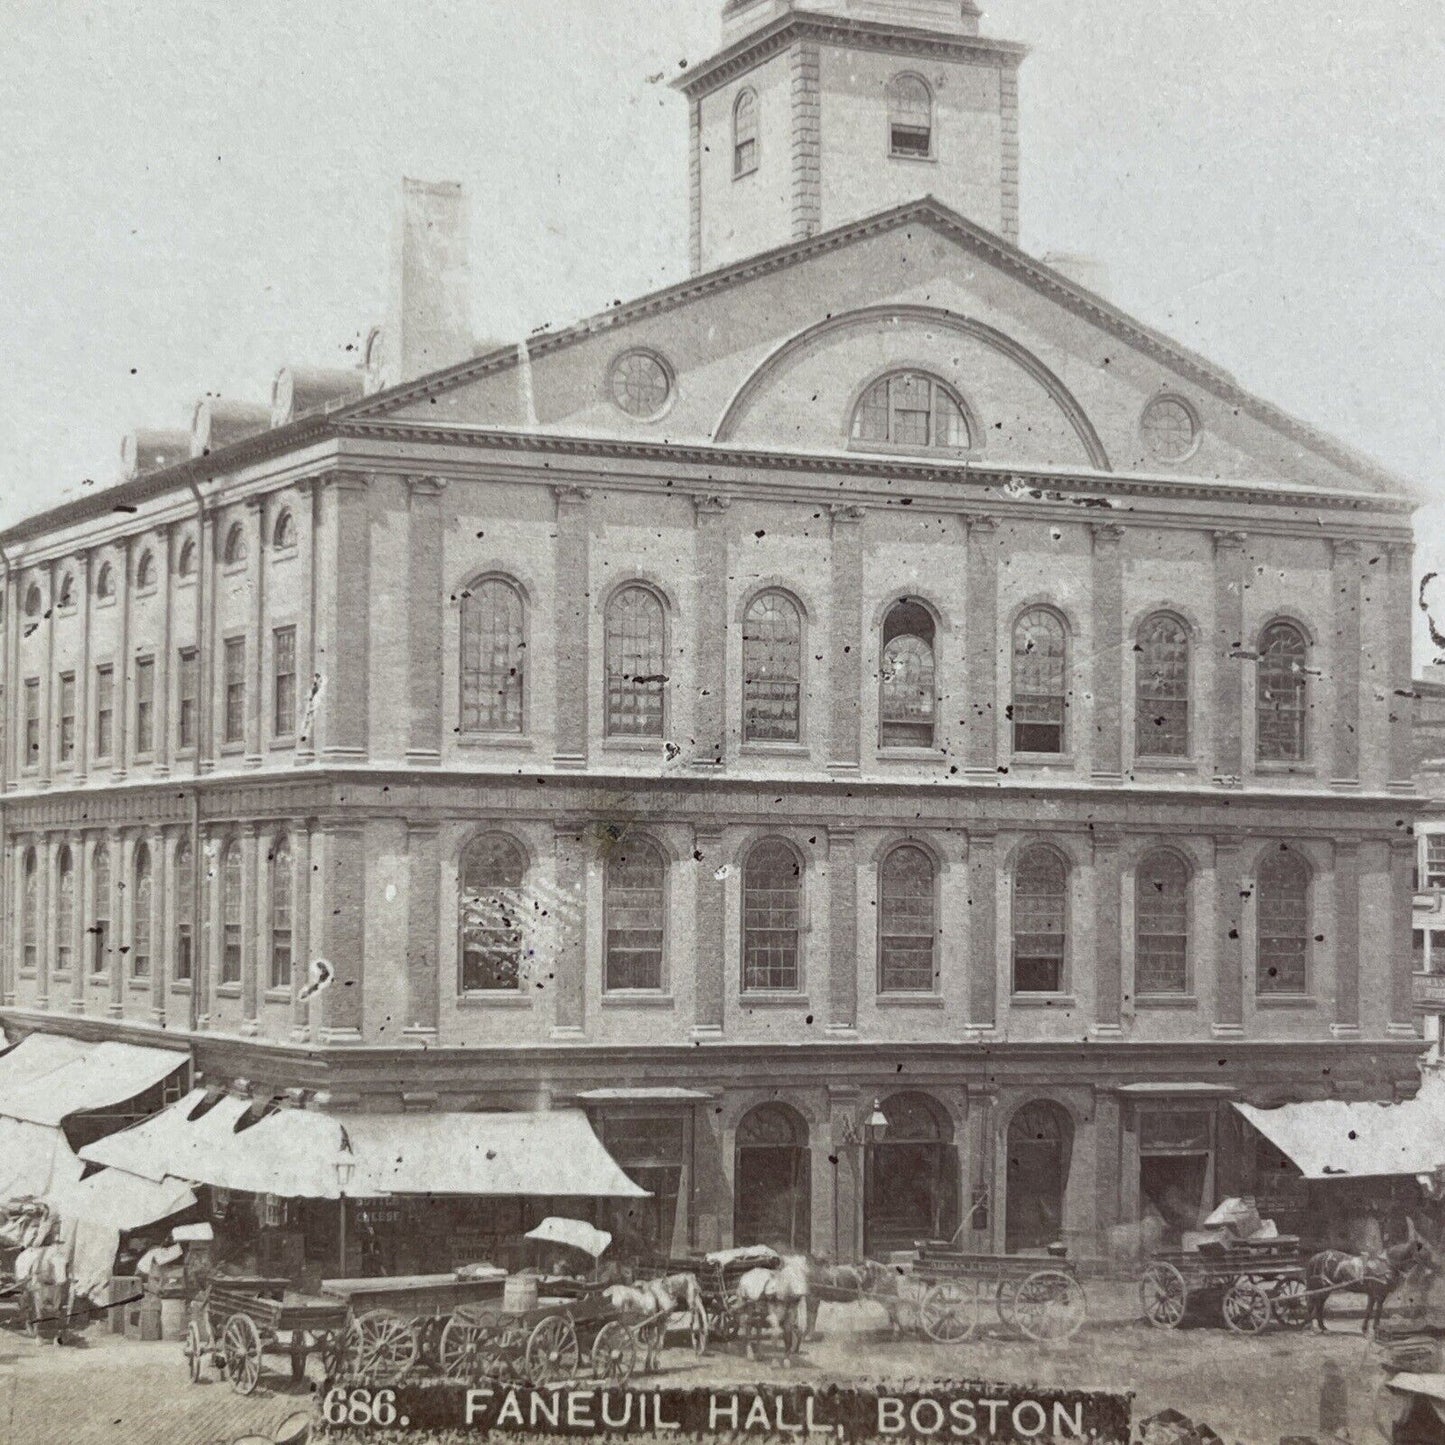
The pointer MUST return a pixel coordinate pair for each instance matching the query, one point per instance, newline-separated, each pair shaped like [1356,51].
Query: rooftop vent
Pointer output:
[148,450]
[300,390]
[216,423]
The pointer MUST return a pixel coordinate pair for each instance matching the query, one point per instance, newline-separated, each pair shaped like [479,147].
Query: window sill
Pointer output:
[497,1000]
[26,973]
[68,766]
[634,744]
[147,757]
[909,1000]
[773,1000]
[138,985]
[277,995]
[1041,760]
[69,611]
[1062,1001]
[639,1000]
[93,979]
[1156,764]
[775,750]
[189,580]
[494,740]
[285,554]
[918,754]
[928,160]
[101,760]
[233,569]
[285,744]
[743,175]
[145,591]
[186,754]
[182,985]
[228,990]
[1166,1000]
[105,601]
[896,449]
[1285,1000]
[1286,770]
[233,750]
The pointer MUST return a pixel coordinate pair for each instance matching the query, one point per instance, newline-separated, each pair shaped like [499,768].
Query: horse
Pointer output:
[901,1296]
[1376,1276]
[774,1299]
[653,1302]
[847,1284]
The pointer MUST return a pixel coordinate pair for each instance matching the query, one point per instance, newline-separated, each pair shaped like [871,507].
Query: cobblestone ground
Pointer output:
[1257,1390]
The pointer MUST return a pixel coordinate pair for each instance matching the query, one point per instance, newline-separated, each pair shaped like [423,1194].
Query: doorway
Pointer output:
[772,1180]
[1040,1148]
[910,1188]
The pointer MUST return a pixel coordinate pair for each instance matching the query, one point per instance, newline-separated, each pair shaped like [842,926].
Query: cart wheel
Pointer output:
[722,1324]
[506,1351]
[697,1329]
[1290,1303]
[1245,1307]
[467,1346]
[1006,1299]
[1163,1295]
[1050,1305]
[196,1353]
[614,1352]
[949,1312]
[336,1358]
[552,1351]
[385,1347]
[241,1346]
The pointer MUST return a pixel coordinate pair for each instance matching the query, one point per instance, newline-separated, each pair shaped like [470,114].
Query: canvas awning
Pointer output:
[120,1201]
[81,1077]
[34,1160]
[1339,1138]
[574,1233]
[646,1094]
[296,1152]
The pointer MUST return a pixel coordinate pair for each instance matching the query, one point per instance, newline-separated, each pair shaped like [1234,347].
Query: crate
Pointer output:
[123,1287]
[143,1320]
[175,1315]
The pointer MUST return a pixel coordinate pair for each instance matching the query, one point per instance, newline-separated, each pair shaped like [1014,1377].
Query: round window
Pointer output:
[1169,429]
[641,384]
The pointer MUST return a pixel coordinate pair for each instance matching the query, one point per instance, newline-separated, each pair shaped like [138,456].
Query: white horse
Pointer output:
[653,1303]
[775,1299]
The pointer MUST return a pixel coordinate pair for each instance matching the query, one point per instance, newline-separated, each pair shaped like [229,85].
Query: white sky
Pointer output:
[198,192]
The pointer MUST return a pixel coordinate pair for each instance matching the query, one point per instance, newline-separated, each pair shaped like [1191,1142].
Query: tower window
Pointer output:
[745,133]
[910,117]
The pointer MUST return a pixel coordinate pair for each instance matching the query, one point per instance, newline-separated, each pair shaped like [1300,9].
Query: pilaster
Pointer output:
[256,649]
[423,927]
[1349,945]
[1345,582]
[842,933]
[845,640]
[710,648]
[1228,939]
[302,831]
[120,845]
[346,731]
[124,665]
[983,928]
[1403,1023]
[570,986]
[711,929]
[1106,887]
[166,659]
[424,620]
[807,138]
[1402,716]
[337,1011]
[574,625]
[255,925]
[981,720]
[48,683]
[1228,644]
[44,924]
[83,678]
[1108,652]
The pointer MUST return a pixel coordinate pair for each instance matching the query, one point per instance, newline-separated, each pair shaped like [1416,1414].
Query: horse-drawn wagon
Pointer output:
[718,1277]
[1245,1283]
[1041,1298]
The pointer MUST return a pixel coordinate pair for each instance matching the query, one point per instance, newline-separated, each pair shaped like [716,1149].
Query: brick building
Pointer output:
[873,669]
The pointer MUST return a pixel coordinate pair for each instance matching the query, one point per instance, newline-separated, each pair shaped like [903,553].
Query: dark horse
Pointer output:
[1375,1276]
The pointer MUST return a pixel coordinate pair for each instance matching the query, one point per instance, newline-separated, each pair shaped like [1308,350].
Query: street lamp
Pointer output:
[345,1166]
[875,1126]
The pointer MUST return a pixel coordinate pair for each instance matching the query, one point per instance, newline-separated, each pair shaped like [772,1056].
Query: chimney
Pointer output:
[429,326]
[148,450]
[1086,271]
[299,390]
[216,423]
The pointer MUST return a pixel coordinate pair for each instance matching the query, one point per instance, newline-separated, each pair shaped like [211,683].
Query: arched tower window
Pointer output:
[1161,688]
[141,900]
[145,571]
[283,883]
[105,581]
[64,910]
[911,409]
[745,133]
[906,922]
[772,918]
[1039,920]
[636,637]
[910,117]
[1040,670]
[283,535]
[635,913]
[1283,915]
[186,564]
[772,669]
[491,914]
[1161,924]
[907,697]
[231,913]
[493,670]
[235,550]
[1281,698]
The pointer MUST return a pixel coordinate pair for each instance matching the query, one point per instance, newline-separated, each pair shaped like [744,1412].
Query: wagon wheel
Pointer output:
[196,1353]
[614,1352]
[467,1346]
[1163,1295]
[1245,1307]
[1004,1302]
[241,1347]
[1050,1305]
[552,1351]
[384,1346]
[505,1351]
[336,1358]
[300,1348]
[1290,1303]
[949,1311]
[697,1329]
[722,1322]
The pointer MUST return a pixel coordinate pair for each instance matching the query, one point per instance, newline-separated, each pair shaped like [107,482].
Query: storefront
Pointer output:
[772,1179]
[1040,1151]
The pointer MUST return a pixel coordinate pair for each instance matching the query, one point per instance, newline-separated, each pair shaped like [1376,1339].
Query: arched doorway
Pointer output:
[1040,1145]
[910,1188]
[772,1182]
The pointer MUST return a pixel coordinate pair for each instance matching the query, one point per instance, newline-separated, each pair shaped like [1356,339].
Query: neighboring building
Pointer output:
[1429,933]
[874,668]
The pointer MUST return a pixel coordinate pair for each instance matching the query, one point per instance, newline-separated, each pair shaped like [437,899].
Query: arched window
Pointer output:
[771,1183]
[282,885]
[283,534]
[906,924]
[231,913]
[30,912]
[491,909]
[145,572]
[105,581]
[185,960]
[772,918]
[910,117]
[493,657]
[1040,663]
[64,910]
[636,663]
[635,911]
[140,929]
[772,669]
[1161,924]
[34,602]
[186,565]
[911,409]
[1280,704]
[745,133]
[1283,889]
[1161,688]
[67,590]
[235,550]
[1039,921]
[907,699]
[1036,1180]
[100,910]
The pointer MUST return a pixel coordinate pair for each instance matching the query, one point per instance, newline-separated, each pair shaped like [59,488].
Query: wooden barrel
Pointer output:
[519,1293]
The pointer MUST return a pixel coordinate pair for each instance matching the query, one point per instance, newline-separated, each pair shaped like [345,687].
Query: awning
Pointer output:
[1338,1138]
[660,1094]
[98,1077]
[1175,1091]
[34,1160]
[121,1201]
[38,1054]
[296,1152]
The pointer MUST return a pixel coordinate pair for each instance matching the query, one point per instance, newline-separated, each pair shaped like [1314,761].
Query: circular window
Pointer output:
[1169,429]
[641,384]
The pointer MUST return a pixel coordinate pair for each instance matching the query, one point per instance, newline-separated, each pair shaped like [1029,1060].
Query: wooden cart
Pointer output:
[1040,1298]
[1247,1284]
[236,1323]
[399,1323]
